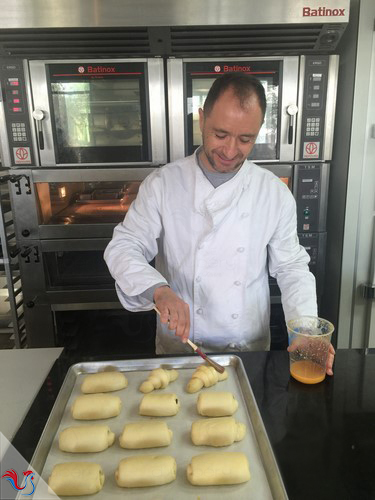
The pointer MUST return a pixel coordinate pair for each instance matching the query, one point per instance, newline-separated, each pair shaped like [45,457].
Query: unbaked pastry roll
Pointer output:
[159,405]
[220,431]
[158,379]
[218,468]
[151,434]
[96,406]
[86,439]
[76,478]
[104,382]
[216,404]
[205,376]
[146,470]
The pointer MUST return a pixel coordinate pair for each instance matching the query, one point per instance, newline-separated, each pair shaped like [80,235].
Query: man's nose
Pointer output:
[230,147]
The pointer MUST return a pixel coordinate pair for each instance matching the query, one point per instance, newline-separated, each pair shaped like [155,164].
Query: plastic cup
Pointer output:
[309,340]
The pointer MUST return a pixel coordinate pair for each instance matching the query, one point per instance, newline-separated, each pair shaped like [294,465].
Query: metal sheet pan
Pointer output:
[265,482]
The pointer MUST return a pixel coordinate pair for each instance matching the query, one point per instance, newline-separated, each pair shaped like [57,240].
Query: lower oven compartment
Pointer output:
[67,288]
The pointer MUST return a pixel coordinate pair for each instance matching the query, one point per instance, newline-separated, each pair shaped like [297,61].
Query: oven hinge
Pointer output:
[368,291]
[17,181]
[29,253]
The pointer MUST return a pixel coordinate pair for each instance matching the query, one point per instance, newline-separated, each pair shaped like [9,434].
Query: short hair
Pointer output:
[244,86]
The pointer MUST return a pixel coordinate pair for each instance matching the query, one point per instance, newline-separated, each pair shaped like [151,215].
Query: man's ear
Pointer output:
[201,119]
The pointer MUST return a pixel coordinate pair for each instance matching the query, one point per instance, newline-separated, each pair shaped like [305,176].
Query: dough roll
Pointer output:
[158,379]
[96,406]
[86,439]
[76,478]
[146,470]
[159,405]
[216,404]
[205,376]
[150,434]
[218,468]
[104,382]
[220,431]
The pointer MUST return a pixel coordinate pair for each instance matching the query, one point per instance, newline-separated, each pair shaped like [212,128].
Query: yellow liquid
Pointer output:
[307,372]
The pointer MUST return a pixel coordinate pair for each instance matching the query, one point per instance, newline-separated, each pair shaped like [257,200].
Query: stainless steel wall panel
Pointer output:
[104,13]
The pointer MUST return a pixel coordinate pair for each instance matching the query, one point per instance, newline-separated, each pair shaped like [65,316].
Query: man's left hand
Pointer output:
[330,359]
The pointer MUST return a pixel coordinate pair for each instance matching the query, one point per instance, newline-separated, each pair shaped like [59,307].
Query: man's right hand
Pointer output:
[173,311]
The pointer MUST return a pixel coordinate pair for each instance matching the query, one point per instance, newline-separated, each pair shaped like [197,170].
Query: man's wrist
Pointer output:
[158,290]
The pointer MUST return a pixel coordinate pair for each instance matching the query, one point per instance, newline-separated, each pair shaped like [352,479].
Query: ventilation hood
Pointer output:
[51,28]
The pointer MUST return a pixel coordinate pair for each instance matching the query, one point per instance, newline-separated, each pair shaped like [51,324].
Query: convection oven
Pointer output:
[63,113]
[65,219]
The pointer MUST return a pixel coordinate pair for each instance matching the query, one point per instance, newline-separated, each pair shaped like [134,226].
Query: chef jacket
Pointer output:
[215,248]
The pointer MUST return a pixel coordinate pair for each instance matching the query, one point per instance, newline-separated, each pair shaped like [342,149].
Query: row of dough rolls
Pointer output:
[219,431]
[206,469]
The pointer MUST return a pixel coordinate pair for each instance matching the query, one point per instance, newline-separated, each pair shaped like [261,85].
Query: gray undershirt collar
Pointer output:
[216,178]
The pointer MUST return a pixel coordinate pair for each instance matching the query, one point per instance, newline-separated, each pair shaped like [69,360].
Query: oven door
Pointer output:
[98,112]
[190,79]
[72,203]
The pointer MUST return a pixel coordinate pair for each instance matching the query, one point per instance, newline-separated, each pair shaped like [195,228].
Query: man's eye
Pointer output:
[220,136]
[247,140]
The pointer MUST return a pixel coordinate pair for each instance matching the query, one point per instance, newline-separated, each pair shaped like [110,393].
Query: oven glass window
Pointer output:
[199,78]
[76,269]
[84,202]
[101,116]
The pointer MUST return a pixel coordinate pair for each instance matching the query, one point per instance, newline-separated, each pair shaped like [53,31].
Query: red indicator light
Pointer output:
[14,83]
[17,110]
[16,101]
[15,92]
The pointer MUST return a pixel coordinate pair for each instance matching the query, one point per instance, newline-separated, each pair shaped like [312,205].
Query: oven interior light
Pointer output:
[62,192]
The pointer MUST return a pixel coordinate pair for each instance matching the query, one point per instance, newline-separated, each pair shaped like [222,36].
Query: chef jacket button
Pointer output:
[237,283]
[244,215]
[199,311]
[240,249]
[198,279]
[234,316]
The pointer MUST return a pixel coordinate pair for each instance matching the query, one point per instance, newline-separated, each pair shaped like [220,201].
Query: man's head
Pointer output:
[230,121]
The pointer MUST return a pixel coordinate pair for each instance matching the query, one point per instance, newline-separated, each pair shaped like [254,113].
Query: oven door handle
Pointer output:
[38,116]
[292,110]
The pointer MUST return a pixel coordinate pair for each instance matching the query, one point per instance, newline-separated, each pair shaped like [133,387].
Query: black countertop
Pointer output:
[323,435]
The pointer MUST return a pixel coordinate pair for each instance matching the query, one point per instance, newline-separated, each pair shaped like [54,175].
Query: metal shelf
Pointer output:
[12,323]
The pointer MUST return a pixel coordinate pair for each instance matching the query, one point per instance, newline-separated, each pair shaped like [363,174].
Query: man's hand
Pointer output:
[173,311]
[330,359]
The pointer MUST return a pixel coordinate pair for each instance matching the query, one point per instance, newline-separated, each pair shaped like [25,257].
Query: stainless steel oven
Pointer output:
[62,113]
[301,101]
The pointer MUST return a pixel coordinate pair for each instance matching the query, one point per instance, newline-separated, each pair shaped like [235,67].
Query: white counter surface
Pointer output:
[22,372]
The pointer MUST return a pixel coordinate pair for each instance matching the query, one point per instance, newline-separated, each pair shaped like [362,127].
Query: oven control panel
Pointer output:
[311,193]
[314,107]
[15,105]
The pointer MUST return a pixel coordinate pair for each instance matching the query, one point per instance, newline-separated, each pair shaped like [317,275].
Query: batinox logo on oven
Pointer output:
[236,68]
[322,12]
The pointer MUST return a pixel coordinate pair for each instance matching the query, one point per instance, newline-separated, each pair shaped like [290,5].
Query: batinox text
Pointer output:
[100,69]
[322,11]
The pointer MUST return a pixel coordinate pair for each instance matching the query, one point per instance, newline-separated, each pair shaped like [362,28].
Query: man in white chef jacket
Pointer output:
[216,225]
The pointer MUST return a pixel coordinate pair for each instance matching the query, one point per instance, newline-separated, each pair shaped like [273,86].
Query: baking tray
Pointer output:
[265,483]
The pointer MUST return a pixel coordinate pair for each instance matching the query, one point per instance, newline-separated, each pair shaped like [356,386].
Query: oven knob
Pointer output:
[30,304]
[25,233]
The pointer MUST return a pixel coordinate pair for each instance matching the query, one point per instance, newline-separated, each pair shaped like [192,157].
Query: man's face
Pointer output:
[229,132]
